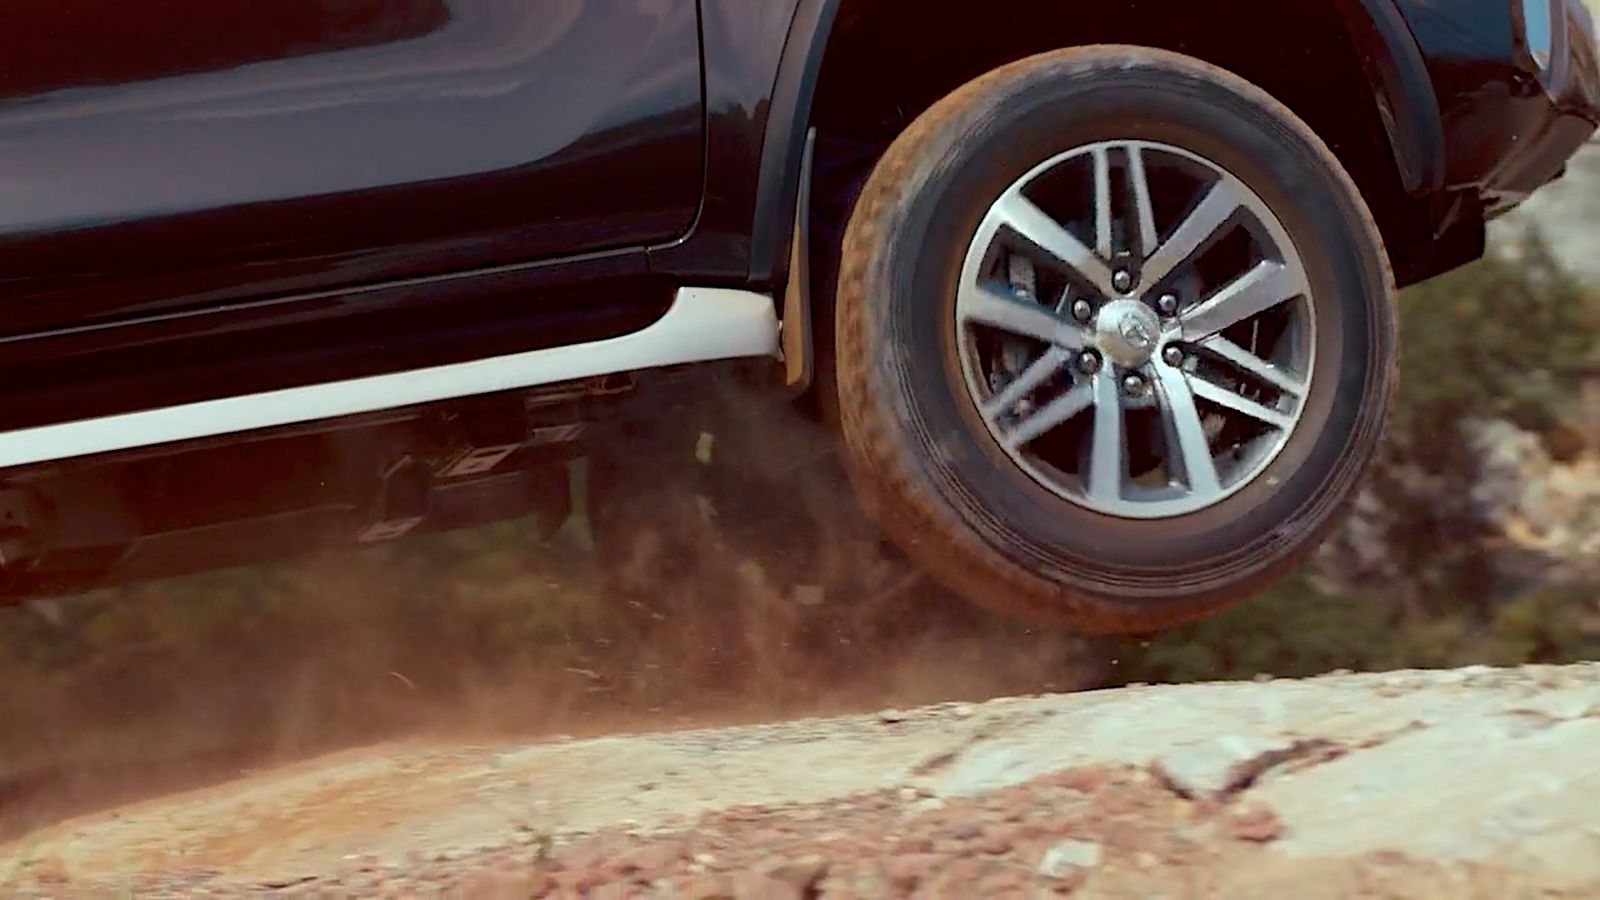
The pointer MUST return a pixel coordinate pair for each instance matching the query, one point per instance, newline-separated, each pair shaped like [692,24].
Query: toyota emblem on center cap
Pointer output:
[1136,333]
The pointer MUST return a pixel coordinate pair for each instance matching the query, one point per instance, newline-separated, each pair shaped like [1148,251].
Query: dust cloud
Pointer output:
[736,582]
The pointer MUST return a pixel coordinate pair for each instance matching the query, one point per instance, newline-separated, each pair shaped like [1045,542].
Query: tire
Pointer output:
[937,478]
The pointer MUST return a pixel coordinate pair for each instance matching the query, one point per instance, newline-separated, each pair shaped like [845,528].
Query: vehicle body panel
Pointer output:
[1403,90]
[331,336]
[745,45]
[1509,125]
[168,155]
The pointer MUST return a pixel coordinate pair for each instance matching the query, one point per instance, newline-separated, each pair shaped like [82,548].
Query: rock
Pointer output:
[1084,779]
[1387,858]
[756,886]
[1254,822]
[279,884]
[892,716]
[1067,858]
[652,861]
[1127,835]
[1515,824]
[958,877]
[995,841]
[908,871]
[803,873]
[1216,768]
[1509,460]
[1070,882]
[578,881]
[966,831]
[1002,883]
[703,887]
[497,886]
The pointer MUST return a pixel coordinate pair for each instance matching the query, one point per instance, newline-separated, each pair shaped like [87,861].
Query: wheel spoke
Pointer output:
[1050,416]
[1256,291]
[996,307]
[1035,226]
[1240,404]
[1141,202]
[1218,206]
[1185,434]
[1102,202]
[1255,365]
[1030,380]
[1105,456]
[1230,369]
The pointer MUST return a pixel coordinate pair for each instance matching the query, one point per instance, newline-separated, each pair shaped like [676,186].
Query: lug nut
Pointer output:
[1088,362]
[1173,355]
[1082,310]
[1133,385]
[1167,304]
[1122,280]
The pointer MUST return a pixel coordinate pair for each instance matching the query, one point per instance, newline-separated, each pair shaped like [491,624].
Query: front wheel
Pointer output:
[1115,339]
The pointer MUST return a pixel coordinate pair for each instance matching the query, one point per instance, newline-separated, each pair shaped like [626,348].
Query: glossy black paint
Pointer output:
[1407,105]
[163,155]
[1508,128]
[744,44]
[783,144]
[251,348]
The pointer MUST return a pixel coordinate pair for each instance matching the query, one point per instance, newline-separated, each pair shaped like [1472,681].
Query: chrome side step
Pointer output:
[703,324]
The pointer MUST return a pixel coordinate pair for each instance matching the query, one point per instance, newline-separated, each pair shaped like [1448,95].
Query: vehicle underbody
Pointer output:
[371,479]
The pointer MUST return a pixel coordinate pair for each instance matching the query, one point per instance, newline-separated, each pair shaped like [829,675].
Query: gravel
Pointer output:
[1418,784]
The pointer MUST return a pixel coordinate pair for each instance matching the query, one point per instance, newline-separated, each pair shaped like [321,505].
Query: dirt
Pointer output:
[1475,782]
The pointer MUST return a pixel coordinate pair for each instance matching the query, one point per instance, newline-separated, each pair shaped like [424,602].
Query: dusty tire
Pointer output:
[921,458]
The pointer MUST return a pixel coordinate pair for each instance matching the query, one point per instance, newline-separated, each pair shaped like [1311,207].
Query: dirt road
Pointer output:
[1475,782]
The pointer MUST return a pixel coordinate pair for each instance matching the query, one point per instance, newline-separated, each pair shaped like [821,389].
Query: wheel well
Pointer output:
[889,60]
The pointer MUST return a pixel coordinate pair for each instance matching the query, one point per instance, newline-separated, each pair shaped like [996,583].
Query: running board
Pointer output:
[703,324]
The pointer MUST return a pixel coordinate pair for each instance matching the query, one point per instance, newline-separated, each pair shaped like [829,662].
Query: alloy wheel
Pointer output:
[1135,329]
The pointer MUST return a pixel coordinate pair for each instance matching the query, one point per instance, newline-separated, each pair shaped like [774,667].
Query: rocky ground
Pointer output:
[1469,783]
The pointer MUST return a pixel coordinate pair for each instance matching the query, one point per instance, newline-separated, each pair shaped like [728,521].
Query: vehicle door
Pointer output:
[162,156]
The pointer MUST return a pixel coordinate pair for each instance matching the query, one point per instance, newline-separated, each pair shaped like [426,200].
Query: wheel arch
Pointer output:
[1392,141]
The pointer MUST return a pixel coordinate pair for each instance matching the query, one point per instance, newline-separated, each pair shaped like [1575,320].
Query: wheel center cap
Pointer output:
[1127,332]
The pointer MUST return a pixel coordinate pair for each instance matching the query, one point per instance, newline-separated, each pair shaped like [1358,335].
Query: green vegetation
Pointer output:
[1509,337]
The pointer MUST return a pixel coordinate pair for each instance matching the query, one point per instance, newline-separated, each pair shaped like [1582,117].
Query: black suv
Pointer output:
[1101,306]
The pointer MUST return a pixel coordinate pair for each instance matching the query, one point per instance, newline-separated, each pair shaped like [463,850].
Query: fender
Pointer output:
[783,145]
[1390,57]
[1407,104]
